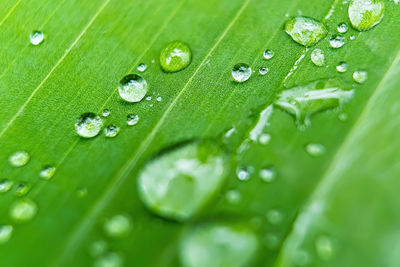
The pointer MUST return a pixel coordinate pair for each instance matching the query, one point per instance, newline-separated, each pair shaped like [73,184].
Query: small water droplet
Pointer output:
[132,88]
[36,37]
[318,57]
[263,71]
[336,41]
[132,119]
[352,37]
[301,258]
[175,56]
[47,172]
[343,116]
[142,67]
[98,248]
[305,31]
[241,72]
[271,240]
[342,67]
[264,139]
[5,185]
[324,248]
[274,217]
[81,192]
[229,133]
[110,259]
[268,54]
[19,158]
[5,233]
[88,125]
[23,210]
[267,175]
[148,98]
[111,131]
[159,98]
[365,14]
[22,189]
[106,113]
[342,28]
[233,196]
[244,172]
[360,76]
[315,150]
[117,226]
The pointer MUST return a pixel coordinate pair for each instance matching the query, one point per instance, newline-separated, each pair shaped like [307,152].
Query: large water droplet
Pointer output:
[315,150]
[179,182]
[365,14]
[132,119]
[22,189]
[23,210]
[5,233]
[360,76]
[88,125]
[19,158]
[218,245]
[268,54]
[132,88]
[324,247]
[5,185]
[318,57]
[304,101]
[175,56]
[241,72]
[117,226]
[36,37]
[47,172]
[111,131]
[336,41]
[305,31]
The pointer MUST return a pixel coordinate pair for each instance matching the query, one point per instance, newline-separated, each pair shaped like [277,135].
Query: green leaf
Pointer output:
[337,209]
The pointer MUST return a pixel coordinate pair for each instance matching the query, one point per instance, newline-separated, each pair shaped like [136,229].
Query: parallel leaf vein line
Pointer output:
[10,12]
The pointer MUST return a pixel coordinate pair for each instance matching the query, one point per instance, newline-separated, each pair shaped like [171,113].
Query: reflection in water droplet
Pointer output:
[5,233]
[218,245]
[324,248]
[19,158]
[342,28]
[106,113]
[241,72]
[267,175]
[109,259]
[315,150]
[336,41]
[233,196]
[117,226]
[88,125]
[360,76]
[318,57]
[36,37]
[365,14]
[305,31]
[132,119]
[263,71]
[111,131]
[142,67]
[244,172]
[22,189]
[23,210]
[268,54]
[47,172]
[175,56]
[5,185]
[342,67]
[132,88]
[180,181]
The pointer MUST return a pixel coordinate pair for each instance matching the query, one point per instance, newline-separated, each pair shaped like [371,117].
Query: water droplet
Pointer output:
[244,173]
[301,258]
[5,233]
[264,139]
[88,125]
[268,54]
[179,182]
[132,88]
[365,14]
[318,57]
[19,158]
[98,248]
[159,98]
[342,28]
[315,150]
[263,70]
[360,76]
[132,119]
[106,113]
[81,192]
[230,132]
[352,37]
[324,248]
[218,245]
[336,41]
[343,116]
[241,72]
[36,37]
[47,172]
[175,56]
[272,240]
[110,259]
[117,226]
[233,196]
[274,217]
[342,67]
[142,67]
[5,185]
[22,189]
[148,98]
[267,175]
[23,210]
[304,101]
[263,121]
[305,31]
[111,131]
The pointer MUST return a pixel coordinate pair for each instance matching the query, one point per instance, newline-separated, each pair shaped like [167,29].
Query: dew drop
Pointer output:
[274,217]
[22,189]
[159,98]
[342,28]
[47,172]
[5,233]
[175,56]
[88,125]
[342,67]
[23,210]
[132,88]
[244,173]
[268,54]
[36,37]
[142,67]
[267,175]
[352,37]
[180,181]
[132,119]
[19,158]
[241,72]
[343,116]
[305,31]
[218,245]
[233,196]
[271,240]
[106,113]
[98,248]
[336,41]
[264,139]
[263,71]
[360,76]
[117,226]
[315,150]
[365,14]
[111,131]
[5,185]
[81,192]
[324,248]
[110,259]
[301,258]
[318,57]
